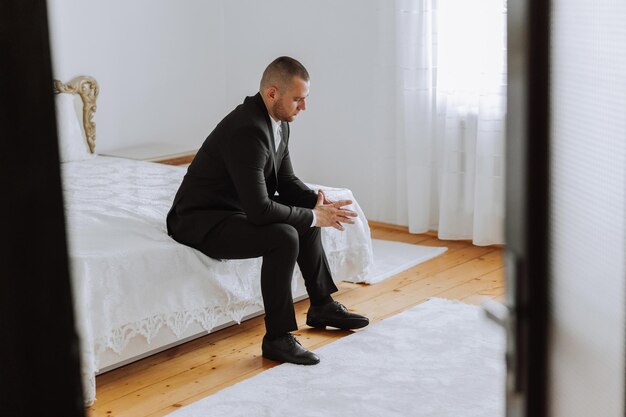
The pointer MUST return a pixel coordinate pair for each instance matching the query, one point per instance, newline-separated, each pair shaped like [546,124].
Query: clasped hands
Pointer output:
[329,213]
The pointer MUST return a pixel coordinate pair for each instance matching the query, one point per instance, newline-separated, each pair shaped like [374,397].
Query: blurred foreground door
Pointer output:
[39,356]
[527,197]
[566,208]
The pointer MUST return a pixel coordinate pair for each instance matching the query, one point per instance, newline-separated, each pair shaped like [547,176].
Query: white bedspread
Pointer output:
[130,278]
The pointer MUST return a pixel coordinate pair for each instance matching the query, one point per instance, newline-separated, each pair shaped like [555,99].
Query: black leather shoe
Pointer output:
[288,349]
[334,314]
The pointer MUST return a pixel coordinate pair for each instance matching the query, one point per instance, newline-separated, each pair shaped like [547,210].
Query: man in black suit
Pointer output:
[241,199]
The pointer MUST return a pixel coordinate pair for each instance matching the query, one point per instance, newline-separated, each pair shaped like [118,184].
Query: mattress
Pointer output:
[130,278]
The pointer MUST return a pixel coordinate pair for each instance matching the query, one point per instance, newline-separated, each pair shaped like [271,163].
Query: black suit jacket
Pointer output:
[237,171]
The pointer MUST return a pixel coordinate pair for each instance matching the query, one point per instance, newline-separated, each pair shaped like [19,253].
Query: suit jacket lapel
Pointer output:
[276,156]
[270,132]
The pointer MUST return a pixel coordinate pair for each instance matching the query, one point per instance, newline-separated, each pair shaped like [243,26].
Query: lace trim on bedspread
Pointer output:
[343,266]
[179,322]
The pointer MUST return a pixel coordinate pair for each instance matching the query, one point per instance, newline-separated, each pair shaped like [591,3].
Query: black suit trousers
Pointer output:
[281,246]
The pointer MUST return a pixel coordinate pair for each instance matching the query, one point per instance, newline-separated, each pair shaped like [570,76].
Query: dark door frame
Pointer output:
[40,370]
[527,197]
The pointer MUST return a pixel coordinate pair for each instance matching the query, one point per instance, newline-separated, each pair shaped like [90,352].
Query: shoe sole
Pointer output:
[356,324]
[282,360]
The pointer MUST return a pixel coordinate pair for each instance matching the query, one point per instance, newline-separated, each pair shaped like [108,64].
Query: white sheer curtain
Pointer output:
[451,81]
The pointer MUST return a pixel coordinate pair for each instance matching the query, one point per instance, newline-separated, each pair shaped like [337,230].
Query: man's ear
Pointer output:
[271,92]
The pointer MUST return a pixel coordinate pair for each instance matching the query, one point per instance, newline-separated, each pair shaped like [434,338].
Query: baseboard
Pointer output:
[405,229]
[390,226]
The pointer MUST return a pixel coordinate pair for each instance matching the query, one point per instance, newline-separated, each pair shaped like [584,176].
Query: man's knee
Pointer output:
[284,235]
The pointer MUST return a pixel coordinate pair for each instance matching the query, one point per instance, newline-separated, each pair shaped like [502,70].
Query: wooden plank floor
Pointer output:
[163,382]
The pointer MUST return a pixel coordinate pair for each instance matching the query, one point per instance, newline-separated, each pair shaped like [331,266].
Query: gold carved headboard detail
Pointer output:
[87,88]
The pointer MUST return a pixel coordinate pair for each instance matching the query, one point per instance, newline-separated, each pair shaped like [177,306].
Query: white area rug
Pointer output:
[441,358]
[391,258]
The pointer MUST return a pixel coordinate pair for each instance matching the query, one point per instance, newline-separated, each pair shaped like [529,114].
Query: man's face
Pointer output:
[288,104]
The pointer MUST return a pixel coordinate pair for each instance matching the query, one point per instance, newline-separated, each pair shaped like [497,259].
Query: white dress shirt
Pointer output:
[276,129]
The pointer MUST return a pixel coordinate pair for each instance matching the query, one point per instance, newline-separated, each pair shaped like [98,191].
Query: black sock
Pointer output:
[321,301]
[273,336]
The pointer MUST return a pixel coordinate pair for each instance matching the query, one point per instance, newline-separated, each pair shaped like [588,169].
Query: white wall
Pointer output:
[157,64]
[169,71]
[331,142]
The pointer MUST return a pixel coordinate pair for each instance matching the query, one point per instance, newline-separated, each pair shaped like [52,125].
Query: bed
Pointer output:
[136,290]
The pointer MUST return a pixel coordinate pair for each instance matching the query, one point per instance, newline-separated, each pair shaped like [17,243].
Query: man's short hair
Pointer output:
[281,71]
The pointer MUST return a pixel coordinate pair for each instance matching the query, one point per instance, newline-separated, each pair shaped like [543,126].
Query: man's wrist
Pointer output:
[314,218]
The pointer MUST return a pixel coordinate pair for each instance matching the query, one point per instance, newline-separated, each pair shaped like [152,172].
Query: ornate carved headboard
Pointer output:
[87,88]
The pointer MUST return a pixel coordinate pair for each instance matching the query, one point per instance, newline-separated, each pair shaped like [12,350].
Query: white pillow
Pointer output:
[72,142]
